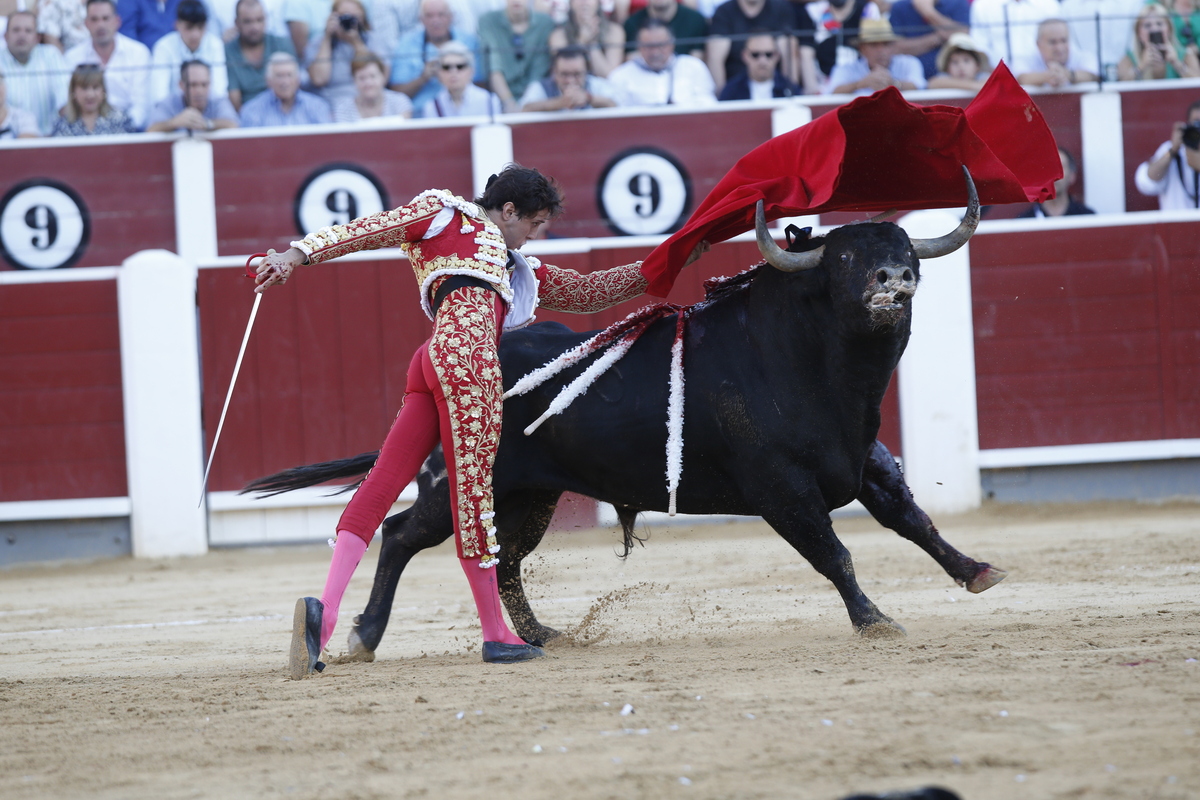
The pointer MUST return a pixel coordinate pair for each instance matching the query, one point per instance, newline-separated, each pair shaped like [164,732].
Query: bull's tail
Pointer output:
[312,474]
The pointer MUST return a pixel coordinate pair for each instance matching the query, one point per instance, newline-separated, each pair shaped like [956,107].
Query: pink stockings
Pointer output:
[453,395]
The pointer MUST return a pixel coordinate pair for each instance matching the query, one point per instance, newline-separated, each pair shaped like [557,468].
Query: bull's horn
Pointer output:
[944,245]
[777,257]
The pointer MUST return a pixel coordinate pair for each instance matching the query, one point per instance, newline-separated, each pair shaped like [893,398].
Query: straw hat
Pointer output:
[962,41]
[871,31]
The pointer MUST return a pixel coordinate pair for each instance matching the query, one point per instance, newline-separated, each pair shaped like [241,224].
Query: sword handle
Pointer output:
[251,271]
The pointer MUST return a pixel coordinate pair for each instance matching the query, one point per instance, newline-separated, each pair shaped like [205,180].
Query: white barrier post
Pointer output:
[938,416]
[491,150]
[1102,161]
[195,199]
[160,379]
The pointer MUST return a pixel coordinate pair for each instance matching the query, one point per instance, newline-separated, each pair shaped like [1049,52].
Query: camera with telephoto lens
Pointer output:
[1191,136]
[349,22]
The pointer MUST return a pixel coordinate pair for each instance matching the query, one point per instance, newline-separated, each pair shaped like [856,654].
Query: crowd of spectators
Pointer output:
[85,67]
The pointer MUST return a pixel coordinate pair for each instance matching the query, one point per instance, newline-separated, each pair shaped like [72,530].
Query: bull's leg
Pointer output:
[426,524]
[522,521]
[885,494]
[797,513]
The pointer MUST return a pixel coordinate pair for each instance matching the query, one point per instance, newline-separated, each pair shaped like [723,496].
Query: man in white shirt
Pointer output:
[569,87]
[879,65]
[1007,29]
[37,73]
[191,41]
[126,61]
[656,76]
[1172,174]
[1055,65]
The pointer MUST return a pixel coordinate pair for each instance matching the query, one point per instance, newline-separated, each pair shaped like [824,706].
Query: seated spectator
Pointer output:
[416,65]
[87,112]
[1007,29]
[1155,53]
[761,79]
[125,60]
[1063,203]
[1185,18]
[284,103]
[878,65]
[190,41]
[1054,66]
[304,19]
[961,64]
[688,26]
[347,36]
[60,22]
[147,21]
[246,55]
[516,49]
[37,73]
[1172,174]
[603,42]
[15,123]
[193,108]
[925,26]
[459,97]
[657,77]
[732,21]
[569,87]
[830,26]
[371,98]
[1101,27]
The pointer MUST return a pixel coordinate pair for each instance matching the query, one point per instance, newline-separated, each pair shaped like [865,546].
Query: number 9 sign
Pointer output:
[335,194]
[43,225]
[644,191]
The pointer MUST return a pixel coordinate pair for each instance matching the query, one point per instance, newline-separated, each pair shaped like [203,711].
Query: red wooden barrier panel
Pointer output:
[85,206]
[261,183]
[1087,335]
[62,430]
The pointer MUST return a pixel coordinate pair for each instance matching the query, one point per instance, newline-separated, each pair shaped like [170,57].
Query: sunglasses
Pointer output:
[761,55]
[450,67]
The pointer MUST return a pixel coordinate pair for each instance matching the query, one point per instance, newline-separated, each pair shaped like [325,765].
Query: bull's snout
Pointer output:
[899,276]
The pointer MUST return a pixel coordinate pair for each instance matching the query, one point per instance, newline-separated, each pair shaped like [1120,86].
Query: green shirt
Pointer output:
[686,24]
[521,59]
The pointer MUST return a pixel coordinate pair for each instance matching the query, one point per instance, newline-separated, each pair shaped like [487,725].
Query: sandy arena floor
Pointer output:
[1075,678]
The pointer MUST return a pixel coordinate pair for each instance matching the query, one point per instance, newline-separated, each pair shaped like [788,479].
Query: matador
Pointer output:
[473,285]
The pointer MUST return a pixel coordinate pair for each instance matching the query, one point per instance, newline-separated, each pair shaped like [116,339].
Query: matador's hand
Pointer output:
[276,268]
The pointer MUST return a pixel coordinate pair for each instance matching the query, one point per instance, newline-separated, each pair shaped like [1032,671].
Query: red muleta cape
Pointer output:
[873,154]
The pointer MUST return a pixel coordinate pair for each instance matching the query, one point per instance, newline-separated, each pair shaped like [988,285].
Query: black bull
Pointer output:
[785,372]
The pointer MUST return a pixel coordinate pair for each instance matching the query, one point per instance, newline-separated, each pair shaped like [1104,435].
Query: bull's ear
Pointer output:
[794,234]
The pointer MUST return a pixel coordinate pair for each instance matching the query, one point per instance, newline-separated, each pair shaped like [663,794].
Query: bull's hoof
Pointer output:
[541,636]
[986,578]
[358,652]
[504,653]
[882,630]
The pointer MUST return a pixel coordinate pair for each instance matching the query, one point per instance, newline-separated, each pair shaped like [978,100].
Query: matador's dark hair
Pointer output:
[526,188]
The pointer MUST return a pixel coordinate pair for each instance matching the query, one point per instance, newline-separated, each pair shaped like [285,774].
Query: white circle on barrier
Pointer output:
[42,227]
[335,197]
[644,193]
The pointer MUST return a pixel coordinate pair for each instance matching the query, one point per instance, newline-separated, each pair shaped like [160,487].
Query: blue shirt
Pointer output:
[908,24]
[902,67]
[146,20]
[265,110]
[164,109]
[413,50]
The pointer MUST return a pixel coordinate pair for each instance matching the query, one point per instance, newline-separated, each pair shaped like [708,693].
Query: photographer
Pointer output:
[1171,174]
[1155,54]
[329,54]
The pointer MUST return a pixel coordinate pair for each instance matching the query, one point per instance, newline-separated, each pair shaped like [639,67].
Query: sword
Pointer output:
[237,367]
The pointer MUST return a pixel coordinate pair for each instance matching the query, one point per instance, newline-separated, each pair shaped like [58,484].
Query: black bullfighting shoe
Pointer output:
[503,653]
[306,638]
